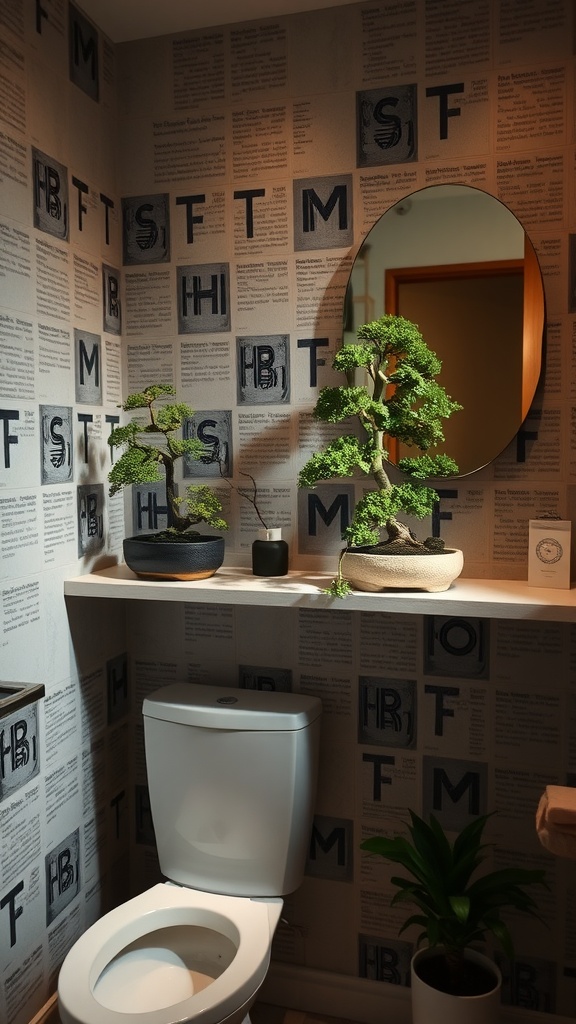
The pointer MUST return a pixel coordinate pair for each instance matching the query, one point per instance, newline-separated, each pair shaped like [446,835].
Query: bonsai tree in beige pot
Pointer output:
[150,454]
[400,399]
[457,907]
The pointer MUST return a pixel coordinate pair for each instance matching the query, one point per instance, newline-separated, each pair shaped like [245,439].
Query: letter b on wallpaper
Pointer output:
[62,875]
[51,204]
[19,749]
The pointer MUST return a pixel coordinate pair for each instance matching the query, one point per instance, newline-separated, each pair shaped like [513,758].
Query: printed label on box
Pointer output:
[549,553]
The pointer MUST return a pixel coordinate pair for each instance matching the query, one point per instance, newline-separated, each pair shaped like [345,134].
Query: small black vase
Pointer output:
[269,554]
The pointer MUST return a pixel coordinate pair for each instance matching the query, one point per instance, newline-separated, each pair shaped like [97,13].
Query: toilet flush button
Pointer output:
[227,700]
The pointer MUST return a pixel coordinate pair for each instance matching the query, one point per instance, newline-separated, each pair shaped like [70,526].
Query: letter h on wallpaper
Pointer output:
[149,507]
[203,298]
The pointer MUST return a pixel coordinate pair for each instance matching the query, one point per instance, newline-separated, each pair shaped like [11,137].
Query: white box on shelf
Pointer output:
[549,553]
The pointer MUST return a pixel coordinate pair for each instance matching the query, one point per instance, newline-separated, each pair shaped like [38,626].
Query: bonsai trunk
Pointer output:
[399,535]
[175,520]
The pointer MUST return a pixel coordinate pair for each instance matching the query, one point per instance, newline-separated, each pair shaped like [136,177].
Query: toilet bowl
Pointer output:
[169,956]
[231,781]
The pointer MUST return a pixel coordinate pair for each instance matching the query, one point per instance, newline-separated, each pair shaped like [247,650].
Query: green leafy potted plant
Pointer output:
[151,452]
[456,908]
[400,399]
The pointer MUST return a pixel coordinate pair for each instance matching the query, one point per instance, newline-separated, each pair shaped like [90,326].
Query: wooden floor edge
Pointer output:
[49,1012]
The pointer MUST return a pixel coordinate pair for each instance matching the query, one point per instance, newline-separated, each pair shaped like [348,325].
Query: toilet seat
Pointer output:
[246,923]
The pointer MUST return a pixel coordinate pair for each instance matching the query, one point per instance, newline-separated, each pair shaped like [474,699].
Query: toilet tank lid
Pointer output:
[223,707]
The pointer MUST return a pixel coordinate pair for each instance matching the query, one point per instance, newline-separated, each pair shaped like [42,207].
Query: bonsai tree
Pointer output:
[401,399]
[150,455]
[454,909]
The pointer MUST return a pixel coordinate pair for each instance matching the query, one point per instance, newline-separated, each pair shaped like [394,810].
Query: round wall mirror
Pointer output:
[455,261]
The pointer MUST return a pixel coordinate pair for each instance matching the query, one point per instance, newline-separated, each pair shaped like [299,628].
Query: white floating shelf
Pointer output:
[504,599]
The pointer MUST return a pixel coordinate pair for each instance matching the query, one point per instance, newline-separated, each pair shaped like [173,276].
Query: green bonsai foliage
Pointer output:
[454,909]
[401,399]
[142,461]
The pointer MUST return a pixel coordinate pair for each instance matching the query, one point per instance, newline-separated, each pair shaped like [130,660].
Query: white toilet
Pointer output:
[232,779]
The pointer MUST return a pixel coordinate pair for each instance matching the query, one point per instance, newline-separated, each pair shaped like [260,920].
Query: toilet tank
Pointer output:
[232,782]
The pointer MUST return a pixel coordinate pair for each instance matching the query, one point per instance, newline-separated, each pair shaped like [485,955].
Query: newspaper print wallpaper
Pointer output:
[187,209]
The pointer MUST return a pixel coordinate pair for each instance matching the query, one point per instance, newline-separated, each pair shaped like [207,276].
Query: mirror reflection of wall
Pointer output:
[473,319]
[452,259]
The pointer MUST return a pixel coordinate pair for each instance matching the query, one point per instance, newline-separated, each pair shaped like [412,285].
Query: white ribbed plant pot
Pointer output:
[430,1006]
[371,572]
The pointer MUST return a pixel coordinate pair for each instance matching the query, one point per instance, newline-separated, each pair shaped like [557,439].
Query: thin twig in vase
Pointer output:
[252,498]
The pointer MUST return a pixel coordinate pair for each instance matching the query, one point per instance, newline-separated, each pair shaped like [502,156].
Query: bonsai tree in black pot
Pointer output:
[151,452]
[456,906]
[400,399]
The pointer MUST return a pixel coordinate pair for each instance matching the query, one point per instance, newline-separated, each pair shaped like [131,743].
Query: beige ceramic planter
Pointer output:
[373,573]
